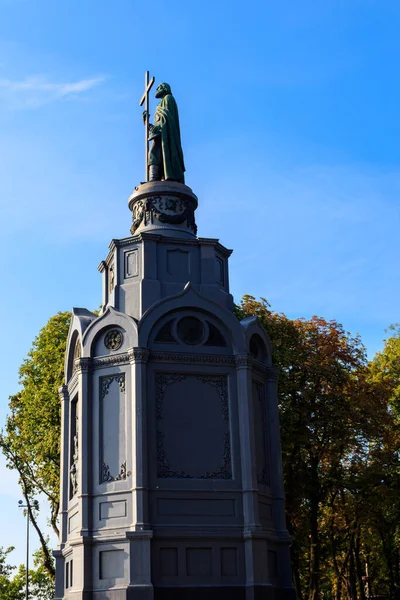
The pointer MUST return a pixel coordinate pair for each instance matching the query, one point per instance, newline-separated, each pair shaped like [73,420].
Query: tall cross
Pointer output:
[145,100]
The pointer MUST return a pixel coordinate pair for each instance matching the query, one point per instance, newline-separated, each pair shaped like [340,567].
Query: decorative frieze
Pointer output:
[138,355]
[109,361]
[172,210]
[183,357]
[83,365]
[244,360]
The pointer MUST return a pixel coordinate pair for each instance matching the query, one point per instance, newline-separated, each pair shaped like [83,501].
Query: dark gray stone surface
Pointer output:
[179,490]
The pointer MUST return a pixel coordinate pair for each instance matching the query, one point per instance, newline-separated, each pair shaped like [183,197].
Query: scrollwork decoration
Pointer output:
[105,383]
[222,387]
[163,380]
[106,475]
[171,210]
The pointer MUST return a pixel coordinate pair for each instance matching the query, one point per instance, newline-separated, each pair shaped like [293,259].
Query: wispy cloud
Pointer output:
[33,92]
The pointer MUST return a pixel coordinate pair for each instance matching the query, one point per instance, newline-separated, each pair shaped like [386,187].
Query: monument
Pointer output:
[171,476]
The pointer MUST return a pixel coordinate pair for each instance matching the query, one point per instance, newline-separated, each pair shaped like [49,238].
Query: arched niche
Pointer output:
[74,351]
[190,330]
[258,349]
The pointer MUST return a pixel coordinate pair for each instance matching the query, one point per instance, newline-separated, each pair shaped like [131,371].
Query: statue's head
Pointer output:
[162,90]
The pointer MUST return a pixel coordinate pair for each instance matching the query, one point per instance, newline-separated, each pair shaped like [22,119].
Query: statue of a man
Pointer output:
[165,157]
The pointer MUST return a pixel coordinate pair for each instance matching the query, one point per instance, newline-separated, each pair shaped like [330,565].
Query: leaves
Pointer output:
[31,440]
[340,454]
[12,585]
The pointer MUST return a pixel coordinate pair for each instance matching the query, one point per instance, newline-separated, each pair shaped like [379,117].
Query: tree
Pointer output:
[31,440]
[12,587]
[333,417]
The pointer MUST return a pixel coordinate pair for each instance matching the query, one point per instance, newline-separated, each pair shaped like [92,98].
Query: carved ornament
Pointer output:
[138,355]
[108,361]
[75,459]
[244,360]
[183,357]
[105,474]
[83,364]
[113,339]
[172,210]
[163,380]
[77,354]
[105,383]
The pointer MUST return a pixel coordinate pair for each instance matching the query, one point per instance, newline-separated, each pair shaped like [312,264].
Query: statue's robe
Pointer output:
[166,149]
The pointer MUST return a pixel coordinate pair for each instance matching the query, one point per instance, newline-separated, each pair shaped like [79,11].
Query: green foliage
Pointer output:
[31,440]
[340,419]
[12,586]
[340,455]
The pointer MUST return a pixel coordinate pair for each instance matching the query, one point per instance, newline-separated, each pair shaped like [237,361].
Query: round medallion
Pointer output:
[113,339]
[190,330]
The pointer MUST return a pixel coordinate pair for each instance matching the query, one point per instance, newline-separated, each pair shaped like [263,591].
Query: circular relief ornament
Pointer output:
[190,330]
[113,339]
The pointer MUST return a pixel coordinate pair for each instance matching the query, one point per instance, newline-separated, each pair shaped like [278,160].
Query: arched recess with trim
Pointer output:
[112,322]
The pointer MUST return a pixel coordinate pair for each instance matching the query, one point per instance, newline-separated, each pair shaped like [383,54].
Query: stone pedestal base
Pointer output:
[163,207]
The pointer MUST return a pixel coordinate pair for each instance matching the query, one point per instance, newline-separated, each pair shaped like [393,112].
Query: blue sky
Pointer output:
[290,126]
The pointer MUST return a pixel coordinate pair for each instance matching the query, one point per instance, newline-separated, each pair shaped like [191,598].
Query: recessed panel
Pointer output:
[111,564]
[73,522]
[229,566]
[131,264]
[112,429]
[113,510]
[193,435]
[199,562]
[169,562]
[196,507]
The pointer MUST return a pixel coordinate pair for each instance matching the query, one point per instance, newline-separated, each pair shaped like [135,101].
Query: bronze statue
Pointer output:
[165,157]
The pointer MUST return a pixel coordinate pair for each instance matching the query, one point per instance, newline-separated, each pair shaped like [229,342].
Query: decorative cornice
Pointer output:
[83,364]
[63,392]
[102,266]
[134,240]
[73,382]
[138,355]
[244,361]
[183,357]
[110,361]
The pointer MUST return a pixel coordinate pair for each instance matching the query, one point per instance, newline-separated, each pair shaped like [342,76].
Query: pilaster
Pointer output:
[64,463]
[244,363]
[138,360]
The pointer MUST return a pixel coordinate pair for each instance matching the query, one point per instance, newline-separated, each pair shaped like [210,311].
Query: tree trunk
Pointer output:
[315,542]
[359,569]
[47,558]
[294,555]
[352,577]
